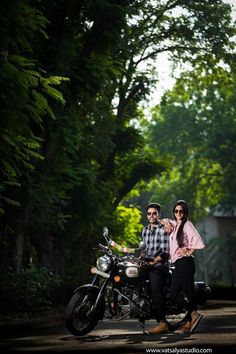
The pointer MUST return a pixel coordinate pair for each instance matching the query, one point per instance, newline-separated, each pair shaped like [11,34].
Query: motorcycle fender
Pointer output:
[97,289]
[87,286]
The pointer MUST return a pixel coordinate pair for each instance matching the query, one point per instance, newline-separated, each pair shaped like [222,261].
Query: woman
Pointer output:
[184,240]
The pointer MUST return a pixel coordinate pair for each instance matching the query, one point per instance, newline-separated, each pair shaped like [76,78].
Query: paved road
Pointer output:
[215,334]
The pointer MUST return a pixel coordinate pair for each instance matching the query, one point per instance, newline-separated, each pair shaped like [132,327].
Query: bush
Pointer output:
[29,291]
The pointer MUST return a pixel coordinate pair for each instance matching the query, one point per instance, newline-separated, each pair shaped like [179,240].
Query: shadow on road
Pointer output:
[217,332]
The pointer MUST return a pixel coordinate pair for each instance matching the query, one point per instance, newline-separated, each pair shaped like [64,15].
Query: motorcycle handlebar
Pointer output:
[105,248]
[141,263]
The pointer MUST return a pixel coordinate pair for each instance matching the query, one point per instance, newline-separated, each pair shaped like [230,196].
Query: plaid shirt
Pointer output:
[157,242]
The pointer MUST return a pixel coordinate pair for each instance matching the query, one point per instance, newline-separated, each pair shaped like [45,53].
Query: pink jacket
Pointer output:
[192,239]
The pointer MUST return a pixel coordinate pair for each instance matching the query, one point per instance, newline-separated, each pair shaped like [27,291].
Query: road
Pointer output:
[216,333]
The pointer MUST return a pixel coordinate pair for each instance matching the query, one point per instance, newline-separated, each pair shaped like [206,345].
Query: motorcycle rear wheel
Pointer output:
[80,317]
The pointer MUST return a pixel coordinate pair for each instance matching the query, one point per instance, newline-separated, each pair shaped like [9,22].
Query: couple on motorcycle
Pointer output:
[171,241]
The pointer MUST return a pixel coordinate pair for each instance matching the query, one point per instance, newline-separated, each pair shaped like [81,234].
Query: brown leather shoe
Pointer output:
[161,328]
[184,328]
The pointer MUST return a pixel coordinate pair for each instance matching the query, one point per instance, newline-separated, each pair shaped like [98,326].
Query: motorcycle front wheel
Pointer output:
[80,315]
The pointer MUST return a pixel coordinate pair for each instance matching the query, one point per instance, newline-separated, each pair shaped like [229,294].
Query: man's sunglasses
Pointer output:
[154,213]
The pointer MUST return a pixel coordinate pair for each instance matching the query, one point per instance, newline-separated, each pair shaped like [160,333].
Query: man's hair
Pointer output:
[154,205]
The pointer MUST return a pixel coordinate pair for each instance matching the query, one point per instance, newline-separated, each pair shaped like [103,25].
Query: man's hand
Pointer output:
[142,255]
[156,260]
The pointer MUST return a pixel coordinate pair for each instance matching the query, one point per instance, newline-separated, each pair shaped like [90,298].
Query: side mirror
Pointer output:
[142,246]
[105,231]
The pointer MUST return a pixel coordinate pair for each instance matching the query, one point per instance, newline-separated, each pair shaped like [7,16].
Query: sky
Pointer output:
[166,82]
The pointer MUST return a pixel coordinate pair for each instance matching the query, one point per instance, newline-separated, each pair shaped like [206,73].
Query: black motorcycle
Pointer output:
[120,289]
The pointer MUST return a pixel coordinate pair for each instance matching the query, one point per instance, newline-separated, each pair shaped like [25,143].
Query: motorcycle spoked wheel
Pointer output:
[79,318]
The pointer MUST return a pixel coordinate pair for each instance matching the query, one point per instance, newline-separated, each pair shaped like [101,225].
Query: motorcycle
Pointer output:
[120,288]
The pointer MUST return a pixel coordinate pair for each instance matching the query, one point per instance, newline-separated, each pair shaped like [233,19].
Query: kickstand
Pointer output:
[143,327]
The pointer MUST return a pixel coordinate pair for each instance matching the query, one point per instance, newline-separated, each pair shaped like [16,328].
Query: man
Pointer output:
[157,254]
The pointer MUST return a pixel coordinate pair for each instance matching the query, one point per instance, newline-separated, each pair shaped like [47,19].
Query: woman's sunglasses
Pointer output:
[180,211]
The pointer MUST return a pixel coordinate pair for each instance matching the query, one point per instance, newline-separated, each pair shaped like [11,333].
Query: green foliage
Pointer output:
[31,291]
[24,100]
[128,220]
[19,22]
[196,130]
[71,156]
[20,147]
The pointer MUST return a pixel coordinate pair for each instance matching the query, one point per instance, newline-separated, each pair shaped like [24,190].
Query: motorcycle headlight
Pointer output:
[104,263]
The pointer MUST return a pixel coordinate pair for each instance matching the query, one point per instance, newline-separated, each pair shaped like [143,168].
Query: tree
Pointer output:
[93,150]
[26,98]
[196,128]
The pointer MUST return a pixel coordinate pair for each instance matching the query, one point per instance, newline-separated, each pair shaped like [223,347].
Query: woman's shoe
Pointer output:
[184,328]
[195,322]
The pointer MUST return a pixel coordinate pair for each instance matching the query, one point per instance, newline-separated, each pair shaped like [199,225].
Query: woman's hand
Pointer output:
[184,252]
[168,228]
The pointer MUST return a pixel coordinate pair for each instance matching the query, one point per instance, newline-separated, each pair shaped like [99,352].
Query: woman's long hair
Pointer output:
[185,217]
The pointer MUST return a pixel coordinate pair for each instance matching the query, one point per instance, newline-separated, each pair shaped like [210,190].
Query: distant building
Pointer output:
[217,264]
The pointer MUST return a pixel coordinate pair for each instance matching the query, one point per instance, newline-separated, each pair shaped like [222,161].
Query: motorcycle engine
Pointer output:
[140,309]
